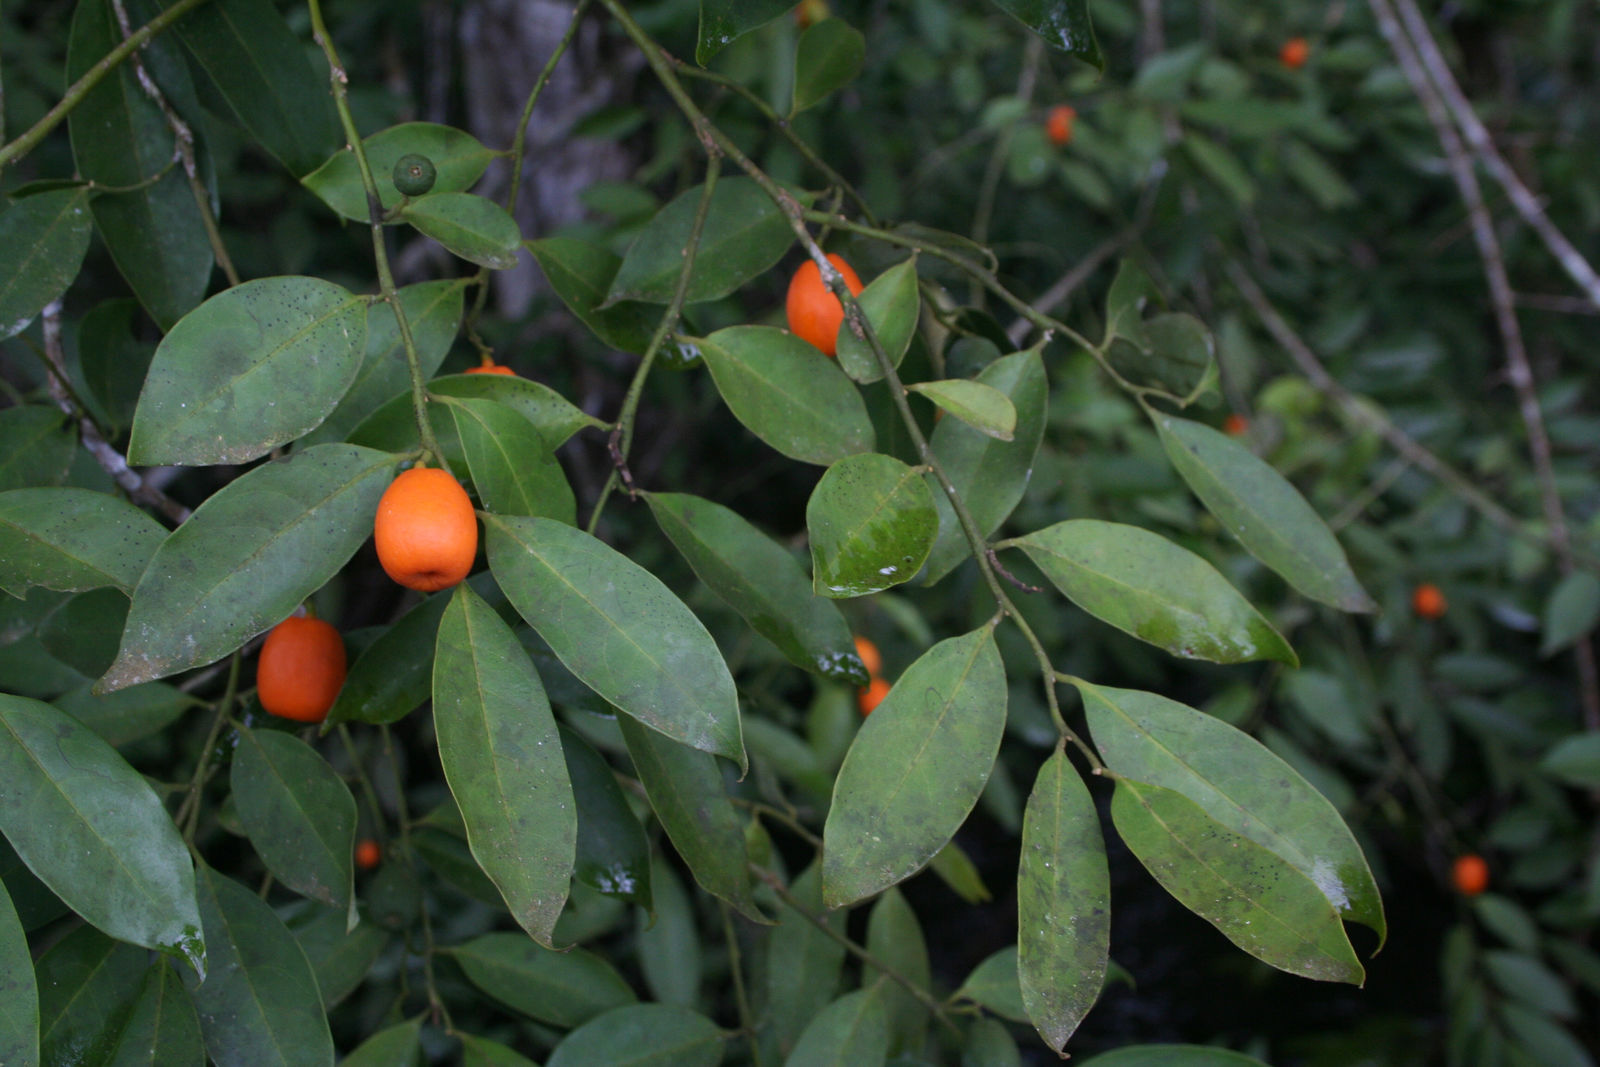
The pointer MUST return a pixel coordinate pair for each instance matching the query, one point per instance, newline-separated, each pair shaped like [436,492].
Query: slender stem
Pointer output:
[188,816]
[339,81]
[436,1004]
[787,819]
[1002,148]
[746,1016]
[92,77]
[368,793]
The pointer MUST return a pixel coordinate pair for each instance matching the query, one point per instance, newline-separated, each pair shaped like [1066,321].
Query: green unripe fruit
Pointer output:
[414,174]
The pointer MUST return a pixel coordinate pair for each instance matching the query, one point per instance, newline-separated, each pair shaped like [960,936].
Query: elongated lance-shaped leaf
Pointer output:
[502,758]
[891,303]
[853,1031]
[613,853]
[162,1028]
[619,629]
[761,581]
[394,674]
[1257,900]
[298,813]
[71,540]
[1063,903]
[1146,586]
[513,469]
[895,937]
[643,1035]
[916,768]
[473,227]
[247,557]
[1260,508]
[1241,784]
[804,965]
[983,407]
[581,275]
[564,989]
[45,237]
[19,994]
[89,826]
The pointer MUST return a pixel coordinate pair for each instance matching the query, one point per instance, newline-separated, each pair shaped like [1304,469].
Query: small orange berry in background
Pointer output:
[870,697]
[810,12]
[368,854]
[1058,125]
[1469,874]
[815,314]
[301,669]
[1235,425]
[1294,53]
[492,368]
[426,531]
[869,655]
[1427,601]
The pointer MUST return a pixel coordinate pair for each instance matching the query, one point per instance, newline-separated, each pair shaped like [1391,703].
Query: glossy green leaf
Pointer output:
[619,629]
[1062,24]
[1145,585]
[19,994]
[93,831]
[804,966]
[38,443]
[459,160]
[298,813]
[128,715]
[1572,611]
[433,313]
[872,522]
[340,957]
[788,393]
[895,937]
[1063,903]
[503,762]
[87,985]
[668,940]
[581,274]
[688,796]
[71,540]
[723,21]
[473,227]
[247,557]
[613,854]
[642,1035]
[892,305]
[916,768]
[260,67]
[1241,784]
[1257,900]
[120,138]
[1172,1056]
[513,469]
[990,475]
[114,359]
[996,985]
[250,369]
[397,1046]
[260,1006]
[482,1052]
[45,237]
[162,1027]
[393,675]
[1267,514]
[393,427]
[563,989]
[743,236]
[828,57]
[982,407]
[760,580]
[1574,761]
[853,1031]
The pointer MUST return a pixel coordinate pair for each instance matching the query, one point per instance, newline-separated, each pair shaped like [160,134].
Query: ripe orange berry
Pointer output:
[869,655]
[815,314]
[1058,126]
[870,697]
[1294,53]
[1235,425]
[426,531]
[368,854]
[1469,874]
[301,668]
[1427,601]
[810,12]
[492,368]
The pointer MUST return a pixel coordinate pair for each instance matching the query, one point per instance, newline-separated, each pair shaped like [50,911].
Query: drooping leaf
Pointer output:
[872,522]
[915,769]
[71,540]
[669,940]
[788,393]
[1267,514]
[613,854]
[1062,24]
[828,57]
[393,427]
[45,237]
[983,407]
[619,629]
[38,444]
[19,994]
[473,227]
[250,369]
[761,581]
[1145,585]
[723,21]
[340,957]
[564,989]
[1063,903]
[891,303]
[503,761]
[298,813]
[804,966]
[743,236]
[853,1031]
[513,469]
[642,1035]
[162,1028]
[581,274]
[89,826]
[895,937]
[87,986]
[1241,784]
[247,557]
[1256,899]
[459,160]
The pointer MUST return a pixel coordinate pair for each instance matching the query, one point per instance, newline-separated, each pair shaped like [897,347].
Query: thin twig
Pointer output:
[1027,78]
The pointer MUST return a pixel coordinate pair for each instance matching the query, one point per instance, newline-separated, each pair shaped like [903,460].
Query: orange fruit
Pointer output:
[492,368]
[815,314]
[869,655]
[426,531]
[870,697]
[368,854]
[1058,125]
[1294,53]
[1469,874]
[301,668]
[1427,601]
[810,12]
[1235,425]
